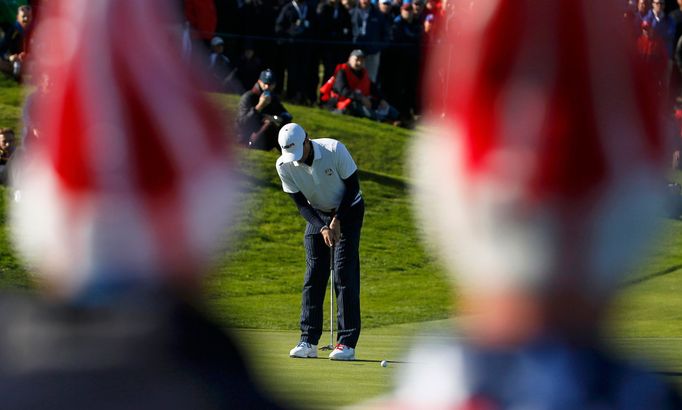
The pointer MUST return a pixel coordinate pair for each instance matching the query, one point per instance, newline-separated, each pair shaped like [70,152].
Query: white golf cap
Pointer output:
[217,41]
[290,139]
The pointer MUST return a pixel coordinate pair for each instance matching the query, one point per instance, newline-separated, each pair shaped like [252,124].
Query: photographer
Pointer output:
[261,114]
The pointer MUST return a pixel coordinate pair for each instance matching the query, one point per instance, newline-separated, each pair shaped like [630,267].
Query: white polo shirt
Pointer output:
[322,182]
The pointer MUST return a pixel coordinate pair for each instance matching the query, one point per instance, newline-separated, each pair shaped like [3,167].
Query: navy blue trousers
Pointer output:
[346,280]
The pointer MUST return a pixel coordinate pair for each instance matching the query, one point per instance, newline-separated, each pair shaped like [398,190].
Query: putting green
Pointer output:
[324,384]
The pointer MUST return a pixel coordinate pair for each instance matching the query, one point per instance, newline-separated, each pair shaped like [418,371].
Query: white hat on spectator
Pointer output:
[217,41]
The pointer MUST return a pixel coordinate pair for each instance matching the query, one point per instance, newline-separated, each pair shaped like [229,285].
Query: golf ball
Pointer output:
[384,363]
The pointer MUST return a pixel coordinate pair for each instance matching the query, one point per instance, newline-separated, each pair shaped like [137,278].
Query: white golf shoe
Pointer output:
[342,352]
[303,350]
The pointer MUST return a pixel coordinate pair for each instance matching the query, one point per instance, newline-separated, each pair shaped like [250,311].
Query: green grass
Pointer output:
[256,287]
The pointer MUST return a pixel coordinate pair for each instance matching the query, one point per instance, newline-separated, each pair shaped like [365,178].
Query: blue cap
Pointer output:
[267,76]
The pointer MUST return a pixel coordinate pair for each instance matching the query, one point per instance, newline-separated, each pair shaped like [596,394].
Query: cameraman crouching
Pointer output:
[261,114]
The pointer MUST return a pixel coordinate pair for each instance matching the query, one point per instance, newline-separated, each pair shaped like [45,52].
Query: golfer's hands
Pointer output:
[335,227]
[328,236]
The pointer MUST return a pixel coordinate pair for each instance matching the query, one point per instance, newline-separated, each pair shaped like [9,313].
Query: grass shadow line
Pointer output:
[650,276]
[386,180]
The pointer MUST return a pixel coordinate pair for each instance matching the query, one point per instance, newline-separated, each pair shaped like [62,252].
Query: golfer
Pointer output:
[322,179]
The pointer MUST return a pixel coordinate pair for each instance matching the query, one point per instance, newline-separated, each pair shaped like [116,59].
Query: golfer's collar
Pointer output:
[317,154]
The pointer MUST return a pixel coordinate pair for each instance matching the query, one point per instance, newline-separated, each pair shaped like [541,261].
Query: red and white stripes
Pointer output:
[132,174]
[547,159]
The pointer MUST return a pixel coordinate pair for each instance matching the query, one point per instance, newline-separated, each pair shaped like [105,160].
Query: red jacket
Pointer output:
[361,83]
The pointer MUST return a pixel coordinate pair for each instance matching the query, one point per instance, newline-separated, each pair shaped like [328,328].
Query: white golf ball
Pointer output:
[384,363]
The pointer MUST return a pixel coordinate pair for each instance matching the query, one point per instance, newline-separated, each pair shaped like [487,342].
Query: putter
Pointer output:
[330,346]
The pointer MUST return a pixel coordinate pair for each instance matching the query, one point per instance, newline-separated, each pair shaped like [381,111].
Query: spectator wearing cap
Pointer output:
[386,8]
[221,68]
[335,28]
[261,114]
[400,86]
[351,91]
[296,25]
[371,31]
[14,45]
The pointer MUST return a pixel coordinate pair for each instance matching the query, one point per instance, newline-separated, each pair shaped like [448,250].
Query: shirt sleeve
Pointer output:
[345,165]
[288,184]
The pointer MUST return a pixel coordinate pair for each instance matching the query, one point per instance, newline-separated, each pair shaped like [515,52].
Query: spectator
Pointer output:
[351,91]
[400,86]
[220,67]
[14,45]
[418,12]
[661,24]
[249,66]
[261,114]
[652,51]
[335,26]
[386,8]
[348,4]
[295,24]
[7,148]
[370,31]
[256,19]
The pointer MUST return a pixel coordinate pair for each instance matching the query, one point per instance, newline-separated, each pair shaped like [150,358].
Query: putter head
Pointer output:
[328,347]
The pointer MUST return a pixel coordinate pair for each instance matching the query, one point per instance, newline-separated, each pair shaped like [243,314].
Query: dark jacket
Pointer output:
[248,119]
[290,24]
[372,33]
[149,350]
[14,41]
[334,22]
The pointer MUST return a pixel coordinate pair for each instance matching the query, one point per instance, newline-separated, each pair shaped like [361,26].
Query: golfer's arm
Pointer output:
[352,184]
[307,211]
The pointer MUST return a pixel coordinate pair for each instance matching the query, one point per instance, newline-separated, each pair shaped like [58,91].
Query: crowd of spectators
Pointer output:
[656,29]
[304,41]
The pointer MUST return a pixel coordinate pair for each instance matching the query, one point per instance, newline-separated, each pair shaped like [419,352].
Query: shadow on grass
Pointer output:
[250,182]
[382,179]
[650,276]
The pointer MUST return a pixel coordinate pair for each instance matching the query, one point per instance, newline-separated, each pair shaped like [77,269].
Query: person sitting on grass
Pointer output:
[351,91]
